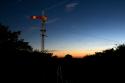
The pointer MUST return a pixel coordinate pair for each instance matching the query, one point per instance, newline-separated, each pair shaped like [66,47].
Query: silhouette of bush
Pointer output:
[120,50]
[68,56]
[10,41]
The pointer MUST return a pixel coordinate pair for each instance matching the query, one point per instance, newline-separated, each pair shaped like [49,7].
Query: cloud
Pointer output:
[57,5]
[53,20]
[71,6]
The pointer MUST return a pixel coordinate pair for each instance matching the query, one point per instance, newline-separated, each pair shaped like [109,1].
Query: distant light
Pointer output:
[43,18]
[34,17]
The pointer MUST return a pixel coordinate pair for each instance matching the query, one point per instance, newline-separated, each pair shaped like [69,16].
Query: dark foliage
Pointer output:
[10,41]
[21,64]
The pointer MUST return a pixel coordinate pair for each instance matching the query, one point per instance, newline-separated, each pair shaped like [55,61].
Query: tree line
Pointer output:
[14,51]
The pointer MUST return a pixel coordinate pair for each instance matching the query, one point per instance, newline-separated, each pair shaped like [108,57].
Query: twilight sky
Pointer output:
[76,27]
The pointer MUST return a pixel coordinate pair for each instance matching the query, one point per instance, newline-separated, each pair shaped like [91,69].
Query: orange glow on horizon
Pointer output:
[76,53]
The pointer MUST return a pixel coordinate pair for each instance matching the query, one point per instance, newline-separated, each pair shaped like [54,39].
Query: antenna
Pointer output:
[43,20]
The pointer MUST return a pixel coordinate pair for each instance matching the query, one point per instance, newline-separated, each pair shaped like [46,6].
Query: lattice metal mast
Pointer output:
[43,20]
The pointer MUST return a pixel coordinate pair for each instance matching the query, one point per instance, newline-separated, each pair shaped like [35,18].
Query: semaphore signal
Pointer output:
[43,20]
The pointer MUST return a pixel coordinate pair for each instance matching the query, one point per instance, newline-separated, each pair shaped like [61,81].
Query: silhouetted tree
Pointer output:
[120,50]
[108,52]
[10,41]
[68,56]
[55,56]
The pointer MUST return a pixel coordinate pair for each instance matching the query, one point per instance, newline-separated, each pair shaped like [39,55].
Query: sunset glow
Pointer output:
[76,53]
[76,27]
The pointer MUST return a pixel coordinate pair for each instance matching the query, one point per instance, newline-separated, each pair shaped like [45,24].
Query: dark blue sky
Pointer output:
[74,26]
